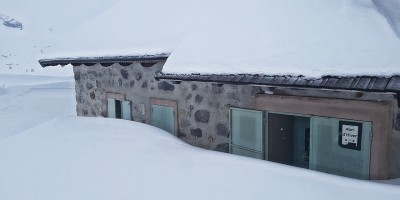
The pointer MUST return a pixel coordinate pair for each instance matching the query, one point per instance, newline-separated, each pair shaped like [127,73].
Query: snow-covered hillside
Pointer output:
[98,158]
[42,21]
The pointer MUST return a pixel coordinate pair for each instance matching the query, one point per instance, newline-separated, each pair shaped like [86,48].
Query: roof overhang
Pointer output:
[105,60]
[362,83]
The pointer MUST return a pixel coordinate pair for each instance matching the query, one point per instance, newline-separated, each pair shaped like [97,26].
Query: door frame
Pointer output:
[169,103]
[379,113]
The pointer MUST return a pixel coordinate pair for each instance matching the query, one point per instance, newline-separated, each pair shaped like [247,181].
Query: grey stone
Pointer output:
[216,89]
[89,86]
[198,98]
[233,96]
[93,73]
[196,132]
[256,90]
[202,116]
[110,83]
[98,84]
[92,95]
[181,135]
[397,125]
[124,74]
[194,87]
[211,139]
[189,96]
[190,110]
[214,104]
[184,123]
[120,82]
[77,76]
[78,99]
[92,112]
[222,130]
[132,83]
[223,147]
[103,113]
[138,76]
[164,85]
[144,84]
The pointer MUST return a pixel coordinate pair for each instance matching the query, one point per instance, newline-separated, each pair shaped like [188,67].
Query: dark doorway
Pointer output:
[289,139]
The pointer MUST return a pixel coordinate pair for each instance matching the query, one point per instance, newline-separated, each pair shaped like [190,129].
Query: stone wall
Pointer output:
[203,108]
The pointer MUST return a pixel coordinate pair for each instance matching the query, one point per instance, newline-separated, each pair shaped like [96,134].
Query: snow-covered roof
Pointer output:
[311,38]
[162,57]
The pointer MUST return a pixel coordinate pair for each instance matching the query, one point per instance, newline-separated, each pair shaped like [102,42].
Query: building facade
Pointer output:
[348,126]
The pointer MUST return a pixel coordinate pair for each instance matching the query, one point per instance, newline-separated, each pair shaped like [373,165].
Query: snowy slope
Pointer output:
[43,21]
[130,27]
[98,158]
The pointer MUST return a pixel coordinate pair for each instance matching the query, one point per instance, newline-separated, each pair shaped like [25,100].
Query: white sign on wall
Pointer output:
[350,135]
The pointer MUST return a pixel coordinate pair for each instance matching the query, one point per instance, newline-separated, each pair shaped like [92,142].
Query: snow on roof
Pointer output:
[128,28]
[99,158]
[287,37]
[275,37]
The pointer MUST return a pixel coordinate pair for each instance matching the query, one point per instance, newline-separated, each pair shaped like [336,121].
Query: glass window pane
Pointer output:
[328,156]
[163,117]
[126,110]
[246,126]
[111,108]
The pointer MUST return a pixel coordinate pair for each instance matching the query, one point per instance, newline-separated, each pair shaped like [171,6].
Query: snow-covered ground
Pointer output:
[98,158]
[45,154]
[27,101]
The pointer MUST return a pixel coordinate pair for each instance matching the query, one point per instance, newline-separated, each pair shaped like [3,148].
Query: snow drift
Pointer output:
[99,158]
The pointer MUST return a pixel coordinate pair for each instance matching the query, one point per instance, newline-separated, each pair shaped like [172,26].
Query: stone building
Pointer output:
[348,126]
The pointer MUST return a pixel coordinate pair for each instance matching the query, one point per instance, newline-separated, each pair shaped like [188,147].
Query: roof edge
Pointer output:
[146,58]
[362,83]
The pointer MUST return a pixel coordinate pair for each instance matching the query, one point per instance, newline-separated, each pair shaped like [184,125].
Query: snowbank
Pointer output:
[99,158]
[26,101]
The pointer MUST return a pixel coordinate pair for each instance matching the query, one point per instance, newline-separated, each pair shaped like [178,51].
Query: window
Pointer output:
[164,114]
[332,145]
[119,109]
[247,132]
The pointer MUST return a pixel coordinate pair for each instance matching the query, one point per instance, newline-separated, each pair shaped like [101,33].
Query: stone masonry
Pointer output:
[203,107]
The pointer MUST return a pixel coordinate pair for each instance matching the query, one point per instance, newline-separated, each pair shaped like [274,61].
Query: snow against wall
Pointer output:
[99,158]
